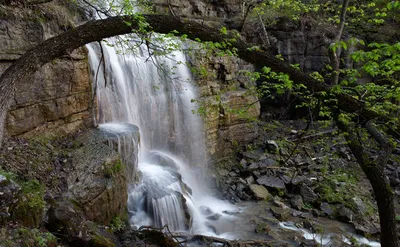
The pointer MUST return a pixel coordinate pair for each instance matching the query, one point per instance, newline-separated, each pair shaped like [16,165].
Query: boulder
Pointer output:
[9,196]
[259,191]
[327,209]
[271,182]
[68,221]
[214,217]
[360,205]
[281,214]
[204,210]
[345,214]
[297,202]
[309,196]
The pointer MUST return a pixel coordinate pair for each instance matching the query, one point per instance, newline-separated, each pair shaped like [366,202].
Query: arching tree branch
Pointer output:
[97,30]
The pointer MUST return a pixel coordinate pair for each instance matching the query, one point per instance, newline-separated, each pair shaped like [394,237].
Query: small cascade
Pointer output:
[125,139]
[157,96]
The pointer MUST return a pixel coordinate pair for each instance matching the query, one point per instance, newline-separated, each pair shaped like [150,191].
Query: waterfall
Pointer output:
[157,96]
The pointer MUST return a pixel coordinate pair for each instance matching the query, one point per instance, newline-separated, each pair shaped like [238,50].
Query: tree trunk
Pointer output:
[97,30]
[382,191]
[335,54]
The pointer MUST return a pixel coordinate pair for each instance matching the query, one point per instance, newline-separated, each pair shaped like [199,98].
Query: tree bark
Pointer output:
[335,54]
[97,30]
[374,171]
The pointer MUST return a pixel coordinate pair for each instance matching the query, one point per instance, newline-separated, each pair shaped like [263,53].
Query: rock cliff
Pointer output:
[57,101]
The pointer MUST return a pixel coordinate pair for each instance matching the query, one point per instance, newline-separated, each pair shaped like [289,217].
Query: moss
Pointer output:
[118,223]
[101,241]
[331,192]
[34,238]
[263,228]
[29,209]
[398,218]
[113,168]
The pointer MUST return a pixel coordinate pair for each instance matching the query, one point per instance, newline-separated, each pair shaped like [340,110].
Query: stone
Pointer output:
[9,196]
[240,187]
[271,182]
[272,146]
[214,217]
[253,166]
[345,214]
[297,202]
[223,172]
[298,180]
[253,155]
[259,191]
[309,196]
[233,174]
[98,180]
[360,205]
[366,226]
[327,209]
[212,227]
[280,213]
[68,220]
[250,180]
[267,162]
[204,210]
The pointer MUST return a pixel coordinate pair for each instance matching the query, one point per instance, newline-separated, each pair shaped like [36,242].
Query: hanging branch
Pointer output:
[103,61]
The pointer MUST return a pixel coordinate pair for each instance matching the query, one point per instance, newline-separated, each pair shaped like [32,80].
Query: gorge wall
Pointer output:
[58,99]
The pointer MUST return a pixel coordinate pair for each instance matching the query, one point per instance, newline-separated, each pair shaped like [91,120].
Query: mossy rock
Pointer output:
[30,207]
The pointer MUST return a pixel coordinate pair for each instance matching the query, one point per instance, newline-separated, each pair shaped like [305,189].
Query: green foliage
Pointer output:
[117,224]
[113,168]
[35,238]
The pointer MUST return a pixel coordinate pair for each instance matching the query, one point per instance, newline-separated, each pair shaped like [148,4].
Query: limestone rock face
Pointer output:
[228,106]
[57,100]
[220,8]
[9,196]
[99,179]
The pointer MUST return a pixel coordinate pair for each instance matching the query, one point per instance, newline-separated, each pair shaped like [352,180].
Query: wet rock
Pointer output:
[223,172]
[297,202]
[204,210]
[267,162]
[230,212]
[271,182]
[345,214]
[309,243]
[272,146]
[9,196]
[68,221]
[233,174]
[259,191]
[281,214]
[309,196]
[250,180]
[327,209]
[254,155]
[298,180]
[365,226]
[257,174]
[240,187]
[360,205]
[212,227]
[253,166]
[214,217]
[309,225]
[160,159]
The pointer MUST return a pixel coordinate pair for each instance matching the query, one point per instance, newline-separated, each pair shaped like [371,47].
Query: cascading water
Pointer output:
[131,89]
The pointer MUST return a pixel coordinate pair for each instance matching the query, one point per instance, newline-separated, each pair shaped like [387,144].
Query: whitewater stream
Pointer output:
[167,186]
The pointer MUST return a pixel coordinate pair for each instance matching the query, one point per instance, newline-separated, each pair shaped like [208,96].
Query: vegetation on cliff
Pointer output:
[367,113]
